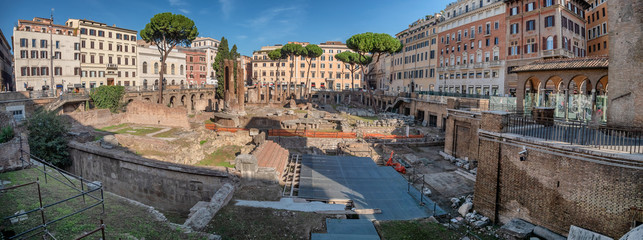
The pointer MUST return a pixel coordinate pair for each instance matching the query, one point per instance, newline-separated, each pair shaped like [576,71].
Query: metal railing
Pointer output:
[69,179]
[577,133]
[452,94]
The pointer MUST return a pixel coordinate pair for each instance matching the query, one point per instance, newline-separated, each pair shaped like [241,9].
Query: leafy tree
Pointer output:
[292,50]
[223,52]
[312,51]
[6,133]
[374,44]
[354,61]
[167,30]
[47,137]
[107,97]
[275,55]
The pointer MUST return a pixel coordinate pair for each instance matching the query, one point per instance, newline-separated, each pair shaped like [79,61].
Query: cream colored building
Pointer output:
[211,47]
[149,65]
[326,72]
[35,43]
[414,68]
[107,53]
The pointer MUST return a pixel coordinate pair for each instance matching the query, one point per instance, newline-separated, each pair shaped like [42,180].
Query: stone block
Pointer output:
[465,208]
[246,164]
[547,234]
[516,229]
[111,140]
[577,233]
[203,215]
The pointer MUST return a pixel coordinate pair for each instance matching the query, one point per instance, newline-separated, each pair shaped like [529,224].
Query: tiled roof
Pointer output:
[564,64]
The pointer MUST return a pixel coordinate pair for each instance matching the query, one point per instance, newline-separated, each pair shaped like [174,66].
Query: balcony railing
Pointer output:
[112,66]
[452,94]
[577,133]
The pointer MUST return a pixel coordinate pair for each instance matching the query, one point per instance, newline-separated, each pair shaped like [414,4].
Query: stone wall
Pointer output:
[94,118]
[626,63]
[557,185]
[156,114]
[10,153]
[461,135]
[167,186]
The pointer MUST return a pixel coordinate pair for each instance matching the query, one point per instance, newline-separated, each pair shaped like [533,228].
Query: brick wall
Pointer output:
[556,186]
[156,114]
[461,136]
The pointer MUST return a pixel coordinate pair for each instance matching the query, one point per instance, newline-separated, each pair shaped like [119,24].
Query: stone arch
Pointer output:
[192,98]
[147,99]
[171,101]
[183,98]
[173,82]
[201,96]
[130,100]
[144,82]
[602,85]
[144,67]
[553,83]
[580,84]
[532,85]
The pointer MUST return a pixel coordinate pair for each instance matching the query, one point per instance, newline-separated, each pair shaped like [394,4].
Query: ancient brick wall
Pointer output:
[94,118]
[156,114]
[557,185]
[461,135]
[167,186]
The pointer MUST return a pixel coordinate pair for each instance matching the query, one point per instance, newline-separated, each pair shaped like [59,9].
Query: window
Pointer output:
[514,29]
[92,32]
[24,42]
[144,67]
[156,68]
[43,54]
[529,7]
[549,21]
[514,11]
[43,43]
[549,3]
[24,54]
[83,31]
[550,43]
[530,25]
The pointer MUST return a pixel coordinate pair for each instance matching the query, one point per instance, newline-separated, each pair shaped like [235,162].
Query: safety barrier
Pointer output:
[382,136]
[310,134]
[213,127]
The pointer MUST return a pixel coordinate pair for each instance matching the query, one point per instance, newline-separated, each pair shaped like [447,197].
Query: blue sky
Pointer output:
[248,23]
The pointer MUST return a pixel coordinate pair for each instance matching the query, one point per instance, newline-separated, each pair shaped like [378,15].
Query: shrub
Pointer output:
[6,134]
[108,97]
[48,137]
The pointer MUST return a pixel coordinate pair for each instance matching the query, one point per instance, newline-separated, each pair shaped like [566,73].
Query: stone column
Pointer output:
[241,89]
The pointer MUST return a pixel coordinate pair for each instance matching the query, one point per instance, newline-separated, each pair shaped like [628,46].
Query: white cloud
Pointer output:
[242,37]
[176,2]
[184,11]
[226,7]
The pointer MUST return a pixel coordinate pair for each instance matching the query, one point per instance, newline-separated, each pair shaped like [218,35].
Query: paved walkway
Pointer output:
[355,229]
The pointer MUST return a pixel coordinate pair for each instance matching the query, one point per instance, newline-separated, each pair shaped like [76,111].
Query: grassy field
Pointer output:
[221,156]
[128,129]
[365,119]
[122,219]
[422,229]
[168,133]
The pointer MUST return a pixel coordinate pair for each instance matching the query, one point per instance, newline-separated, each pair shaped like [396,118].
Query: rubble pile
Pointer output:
[464,205]
[467,164]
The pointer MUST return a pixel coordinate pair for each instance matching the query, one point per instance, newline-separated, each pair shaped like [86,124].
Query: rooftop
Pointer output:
[565,63]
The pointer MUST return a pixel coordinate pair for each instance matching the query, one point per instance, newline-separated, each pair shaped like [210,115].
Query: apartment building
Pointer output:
[46,52]
[471,45]
[197,68]
[597,37]
[379,73]
[107,54]
[326,72]
[6,65]
[543,29]
[414,68]
[210,46]
[149,66]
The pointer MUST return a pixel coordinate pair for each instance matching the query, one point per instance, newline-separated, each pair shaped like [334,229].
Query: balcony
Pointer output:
[558,52]
[495,63]
[111,66]
[478,65]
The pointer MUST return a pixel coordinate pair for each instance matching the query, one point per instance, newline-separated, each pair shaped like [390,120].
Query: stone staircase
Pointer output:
[396,104]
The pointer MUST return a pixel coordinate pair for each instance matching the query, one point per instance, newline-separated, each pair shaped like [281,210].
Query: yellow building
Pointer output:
[107,53]
[326,72]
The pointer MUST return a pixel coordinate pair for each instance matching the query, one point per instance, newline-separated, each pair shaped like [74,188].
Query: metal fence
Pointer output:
[85,189]
[454,94]
[577,133]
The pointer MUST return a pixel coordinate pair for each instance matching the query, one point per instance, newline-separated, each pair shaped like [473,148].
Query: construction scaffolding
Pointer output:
[84,188]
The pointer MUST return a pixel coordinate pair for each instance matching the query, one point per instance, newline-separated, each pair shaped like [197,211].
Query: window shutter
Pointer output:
[525,7]
[544,3]
[525,51]
[544,43]
[509,51]
[553,21]
[535,47]
[555,42]
[518,48]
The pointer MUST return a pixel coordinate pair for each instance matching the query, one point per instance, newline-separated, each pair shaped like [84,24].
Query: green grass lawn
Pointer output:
[168,133]
[132,130]
[365,119]
[421,230]
[221,156]
[122,219]
[300,111]
[114,127]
